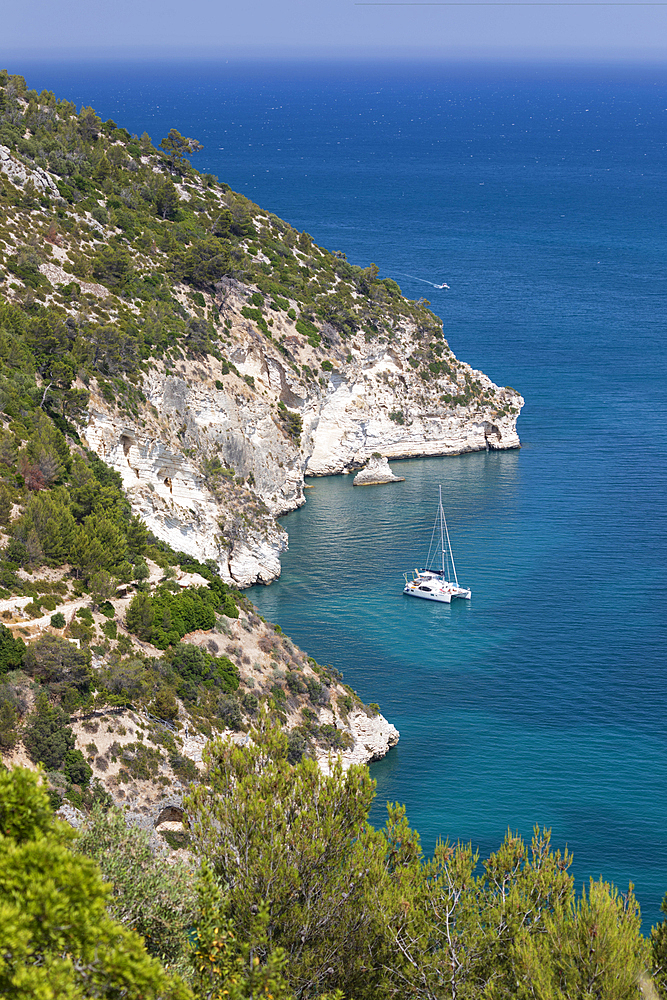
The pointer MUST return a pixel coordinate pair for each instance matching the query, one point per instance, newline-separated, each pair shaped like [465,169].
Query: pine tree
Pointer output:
[294,844]
[56,937]
[12,651]
[6,504]
[46,736]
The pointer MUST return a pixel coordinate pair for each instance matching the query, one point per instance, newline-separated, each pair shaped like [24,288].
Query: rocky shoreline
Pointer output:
[218,441]
[192,420]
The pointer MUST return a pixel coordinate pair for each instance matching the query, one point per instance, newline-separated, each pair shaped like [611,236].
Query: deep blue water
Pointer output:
[539,196]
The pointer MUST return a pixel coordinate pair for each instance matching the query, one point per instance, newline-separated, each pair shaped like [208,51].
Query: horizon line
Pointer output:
[531,56]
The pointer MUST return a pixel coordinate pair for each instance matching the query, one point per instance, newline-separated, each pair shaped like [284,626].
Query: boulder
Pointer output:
[376,472]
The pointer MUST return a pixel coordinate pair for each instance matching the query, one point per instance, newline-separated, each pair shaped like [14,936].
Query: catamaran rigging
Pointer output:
[434,584]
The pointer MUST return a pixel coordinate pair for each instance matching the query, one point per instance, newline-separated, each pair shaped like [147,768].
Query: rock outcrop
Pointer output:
[373,738]
[20,174]
[199,413]
[219,438]
[376,473]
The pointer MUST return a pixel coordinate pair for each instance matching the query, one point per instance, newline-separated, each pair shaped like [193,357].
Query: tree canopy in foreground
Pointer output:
[57,941]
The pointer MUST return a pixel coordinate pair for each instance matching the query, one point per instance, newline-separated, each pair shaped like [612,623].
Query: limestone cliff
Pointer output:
[211,462]
[226,356]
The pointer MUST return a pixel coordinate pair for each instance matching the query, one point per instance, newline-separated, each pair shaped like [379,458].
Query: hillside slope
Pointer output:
[202,347]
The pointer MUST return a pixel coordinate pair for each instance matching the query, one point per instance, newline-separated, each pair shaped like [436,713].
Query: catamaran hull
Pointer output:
[441,598]
[432,584]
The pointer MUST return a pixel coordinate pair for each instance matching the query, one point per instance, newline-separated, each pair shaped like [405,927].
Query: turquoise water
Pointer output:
[540,196]
[539,701]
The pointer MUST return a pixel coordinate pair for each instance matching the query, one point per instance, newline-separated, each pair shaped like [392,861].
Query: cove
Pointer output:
[538,194]
[524,705]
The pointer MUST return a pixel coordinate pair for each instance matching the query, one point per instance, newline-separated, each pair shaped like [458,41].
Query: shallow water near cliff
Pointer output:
[539,196]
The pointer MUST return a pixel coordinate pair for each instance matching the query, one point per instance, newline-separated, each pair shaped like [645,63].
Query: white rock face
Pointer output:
[58,276]
[169,492]
[373,737]
[202,413]
[18,173]
[353,420]
[376,473]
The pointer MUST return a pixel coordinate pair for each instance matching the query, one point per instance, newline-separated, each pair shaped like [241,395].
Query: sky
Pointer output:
[289,29]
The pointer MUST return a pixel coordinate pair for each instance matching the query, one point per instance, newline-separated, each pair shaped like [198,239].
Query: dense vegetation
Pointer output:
[56,937]
[129,222]
[298,896]
[287,891]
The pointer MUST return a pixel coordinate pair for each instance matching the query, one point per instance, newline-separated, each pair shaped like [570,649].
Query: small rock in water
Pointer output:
[376,472]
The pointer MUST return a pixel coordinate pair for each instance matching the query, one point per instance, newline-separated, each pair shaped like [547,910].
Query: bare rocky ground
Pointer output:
[146,764]
[223,440]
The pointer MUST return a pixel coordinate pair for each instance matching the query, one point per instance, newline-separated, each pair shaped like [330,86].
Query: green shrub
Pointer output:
[9,718]
[250,702]
[183,767]
[77,768]
[345,704]
[57,938]
[110,630]
[58,664]
[318,693]
[256,315]
[11,651]
[125,681]
[203,263]
[58,620]
[297,745]
[195,667]
[142,761]
[309,331]
[164,618]
[279,696]
[334,739]
[164,704]
[47,737]
[112,266]
[229,608]
[84,633]
[25,265]
[228,708]
[295,683]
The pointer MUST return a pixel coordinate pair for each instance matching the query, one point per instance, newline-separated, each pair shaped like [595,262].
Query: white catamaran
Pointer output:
[433,584]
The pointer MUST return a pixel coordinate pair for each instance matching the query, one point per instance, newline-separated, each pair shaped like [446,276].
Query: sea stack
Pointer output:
[376,472]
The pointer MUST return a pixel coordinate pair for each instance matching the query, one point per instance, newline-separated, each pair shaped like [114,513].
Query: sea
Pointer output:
[538,193]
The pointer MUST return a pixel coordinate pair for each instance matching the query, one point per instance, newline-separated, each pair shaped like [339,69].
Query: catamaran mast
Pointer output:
[442,542]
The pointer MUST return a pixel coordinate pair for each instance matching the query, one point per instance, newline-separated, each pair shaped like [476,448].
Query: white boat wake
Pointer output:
[423,280]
